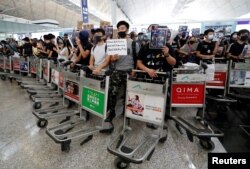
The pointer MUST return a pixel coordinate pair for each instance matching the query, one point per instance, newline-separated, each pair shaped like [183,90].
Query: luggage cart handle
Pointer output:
[141,71]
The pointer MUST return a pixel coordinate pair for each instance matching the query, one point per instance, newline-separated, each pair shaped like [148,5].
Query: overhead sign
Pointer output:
[85,15]
[117,46]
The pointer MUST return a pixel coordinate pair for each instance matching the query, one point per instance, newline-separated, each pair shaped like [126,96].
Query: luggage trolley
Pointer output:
[46,75]
[43,115]
[40,83]
[152,93]
[188,90]
[239,80]
[93,90]
[3,73]
[30,79]
[41,96]
[219,101]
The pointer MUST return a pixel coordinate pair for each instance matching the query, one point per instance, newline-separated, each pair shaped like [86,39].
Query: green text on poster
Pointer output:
[93,100]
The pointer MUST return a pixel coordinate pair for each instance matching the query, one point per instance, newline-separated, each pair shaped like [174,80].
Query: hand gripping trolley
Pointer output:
[145,102]
[93,90]
[188,90]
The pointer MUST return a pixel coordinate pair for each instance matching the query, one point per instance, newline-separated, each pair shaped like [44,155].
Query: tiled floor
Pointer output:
[24,146]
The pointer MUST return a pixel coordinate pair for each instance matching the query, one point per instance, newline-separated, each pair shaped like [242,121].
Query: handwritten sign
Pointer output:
[117,46]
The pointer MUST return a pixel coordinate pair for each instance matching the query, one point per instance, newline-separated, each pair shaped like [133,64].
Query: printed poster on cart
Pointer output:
[219,80]
[16,64]
[93,100]
[72,90]
[55,76]
[61,80]
[145,107]
[240,78]
[24,67]
[187,94]
[1,62]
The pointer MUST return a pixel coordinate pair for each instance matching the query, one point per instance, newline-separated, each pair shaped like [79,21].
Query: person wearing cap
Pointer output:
[123,65]
[27,47]
[83,49]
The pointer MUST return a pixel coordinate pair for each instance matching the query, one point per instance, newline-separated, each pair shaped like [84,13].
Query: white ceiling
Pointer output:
[68,12]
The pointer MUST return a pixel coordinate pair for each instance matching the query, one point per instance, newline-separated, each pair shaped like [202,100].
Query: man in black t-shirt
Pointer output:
[27,47]
[235,51]
[153,60]
[207,49]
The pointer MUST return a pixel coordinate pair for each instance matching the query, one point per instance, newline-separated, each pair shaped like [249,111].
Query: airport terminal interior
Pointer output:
[116,84]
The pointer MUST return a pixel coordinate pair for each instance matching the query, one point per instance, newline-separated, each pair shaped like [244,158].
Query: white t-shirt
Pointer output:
[99,54]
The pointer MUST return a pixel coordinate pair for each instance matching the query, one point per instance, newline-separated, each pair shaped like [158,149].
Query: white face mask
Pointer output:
[234,36]
[210,37]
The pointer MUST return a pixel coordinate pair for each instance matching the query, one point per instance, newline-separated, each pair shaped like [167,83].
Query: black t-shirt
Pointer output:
[50,47]
[155,59]
[86,60]
[236,48]
[206,48]
[27,48]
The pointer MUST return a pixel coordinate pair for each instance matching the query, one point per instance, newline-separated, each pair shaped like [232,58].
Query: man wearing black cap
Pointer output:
[123,65]
[27,47]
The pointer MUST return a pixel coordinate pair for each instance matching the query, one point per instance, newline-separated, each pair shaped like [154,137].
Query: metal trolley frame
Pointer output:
[154,92]
[94,93]
[188,89]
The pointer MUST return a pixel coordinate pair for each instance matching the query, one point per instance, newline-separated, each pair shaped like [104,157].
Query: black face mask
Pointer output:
[244,38]
[122,34]
[97,39]
[191,42]
[183,36]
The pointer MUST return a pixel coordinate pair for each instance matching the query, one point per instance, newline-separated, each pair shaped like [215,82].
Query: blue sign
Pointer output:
[85,14]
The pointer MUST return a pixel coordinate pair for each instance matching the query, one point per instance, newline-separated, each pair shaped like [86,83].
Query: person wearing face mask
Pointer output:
[99,58]
[207,49]
[188,51]
[235,51]
[123,65]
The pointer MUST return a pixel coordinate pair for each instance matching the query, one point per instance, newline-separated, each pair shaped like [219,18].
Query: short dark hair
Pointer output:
[93,31]
[242,31]
[132,35]
[208,31]
[100,30]
[122,23]
[45,37]
[65,34]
